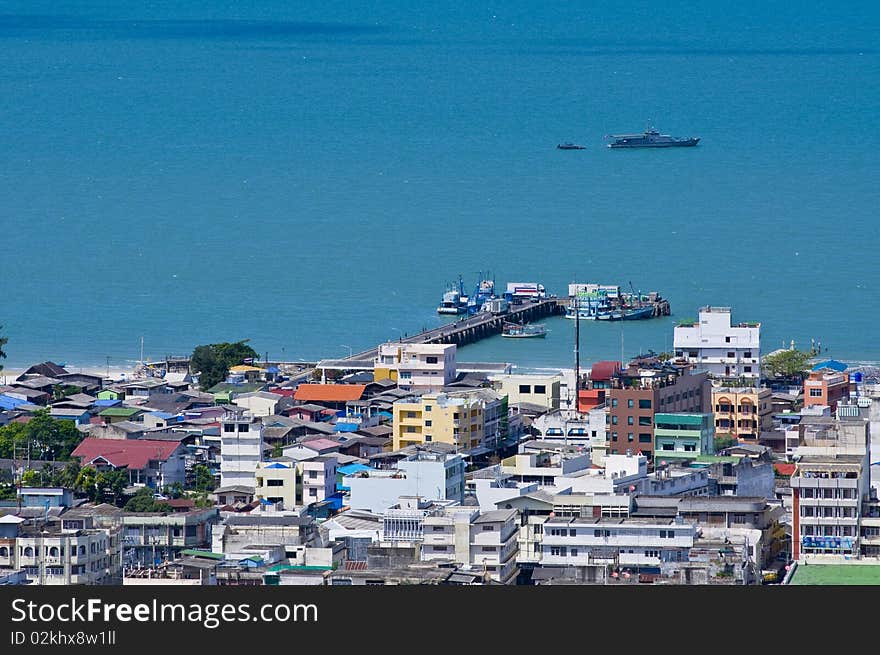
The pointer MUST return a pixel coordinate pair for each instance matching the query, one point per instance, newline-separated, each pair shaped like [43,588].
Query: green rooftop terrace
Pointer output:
[836,574]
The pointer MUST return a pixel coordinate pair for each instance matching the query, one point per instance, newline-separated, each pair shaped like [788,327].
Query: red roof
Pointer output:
[283,391]
[329,393]
[603,371]
[784,469]
[133,453]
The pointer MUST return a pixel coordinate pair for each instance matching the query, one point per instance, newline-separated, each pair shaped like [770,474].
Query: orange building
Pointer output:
[826,387]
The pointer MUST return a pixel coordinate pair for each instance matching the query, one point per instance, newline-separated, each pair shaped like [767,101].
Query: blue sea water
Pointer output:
[311,175]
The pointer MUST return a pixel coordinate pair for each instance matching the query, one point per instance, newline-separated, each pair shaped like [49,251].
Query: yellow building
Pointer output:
[279,482]
[742,412]
[440,418]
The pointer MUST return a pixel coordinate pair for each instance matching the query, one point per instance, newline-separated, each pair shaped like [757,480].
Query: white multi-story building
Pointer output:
[241,448]
[318,478]
[484,542]
[432,476]
[725,350]
[60,554]
[425,367]
[618,541]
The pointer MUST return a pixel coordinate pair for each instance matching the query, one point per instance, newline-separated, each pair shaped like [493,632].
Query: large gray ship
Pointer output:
[651,139]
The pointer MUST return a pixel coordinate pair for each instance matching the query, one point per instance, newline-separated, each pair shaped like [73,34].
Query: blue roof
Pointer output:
[833,364]
[273,369]
[386,414]
[335,501]
[350,469]
[346,427]
[107,403]
[276,465]
[162,415]
[8,402]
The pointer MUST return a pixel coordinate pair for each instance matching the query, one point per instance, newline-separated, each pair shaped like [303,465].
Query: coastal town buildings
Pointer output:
[241,448]
[416,367]
[742,412]
[647,386]
[727,351]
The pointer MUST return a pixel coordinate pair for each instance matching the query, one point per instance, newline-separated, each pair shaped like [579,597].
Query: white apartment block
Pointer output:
[56,554]
[241,449]
[725,350]
[318,478]
[432,476]
[483,542]
[425,367]
[617,541]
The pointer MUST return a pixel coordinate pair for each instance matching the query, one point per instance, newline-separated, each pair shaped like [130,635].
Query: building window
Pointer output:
[313,492]
[667,446]
[690,448]
[540,388]
[574,552]
[488,549]
[557,550]
[692,353]
[630,436]
[614,402]
[572,533]
[630,402]
[613,436]
[229,427]
[815,393]
[410,414]
[525,388]
[274,483]
[614,419]
[747,369]
[406,375]
[410,428]
[644,403]
[748,353]
[644,420]
[428,423]
[488,528]
[726,339]
[427,408]
[645,437]
[313,475]
[431,360]
[428,437]
[629,420]
[243,427]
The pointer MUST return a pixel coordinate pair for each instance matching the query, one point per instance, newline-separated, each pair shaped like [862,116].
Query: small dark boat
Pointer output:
[571,146]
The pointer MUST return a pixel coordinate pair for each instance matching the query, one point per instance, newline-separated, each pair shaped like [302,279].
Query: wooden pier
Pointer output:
[470,329]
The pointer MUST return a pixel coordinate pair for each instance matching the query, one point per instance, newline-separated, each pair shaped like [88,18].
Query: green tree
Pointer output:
[724,440]
[174,491]
[66,477]
[87,482]
[13,440]
[213,361]
[112,483]
[3,342]
[32,478]
[51,438]
[143,501]
[62,391]
[790,363]
[203,479]
[202,500]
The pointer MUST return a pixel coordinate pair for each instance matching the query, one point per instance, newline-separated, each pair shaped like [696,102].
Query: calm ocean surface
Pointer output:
[311,175]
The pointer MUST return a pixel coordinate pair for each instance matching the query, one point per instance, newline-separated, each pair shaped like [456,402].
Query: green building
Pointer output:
[683,435]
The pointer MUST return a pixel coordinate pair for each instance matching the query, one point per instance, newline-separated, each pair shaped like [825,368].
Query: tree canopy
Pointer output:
[791,363]
[143,501]
[212,362]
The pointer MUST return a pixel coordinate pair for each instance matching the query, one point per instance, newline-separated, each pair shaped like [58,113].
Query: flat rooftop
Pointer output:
[836,574]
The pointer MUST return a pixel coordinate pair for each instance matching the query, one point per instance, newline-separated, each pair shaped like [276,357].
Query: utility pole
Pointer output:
[577,352]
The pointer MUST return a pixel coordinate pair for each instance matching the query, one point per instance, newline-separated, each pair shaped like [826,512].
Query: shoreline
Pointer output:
[9,375]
